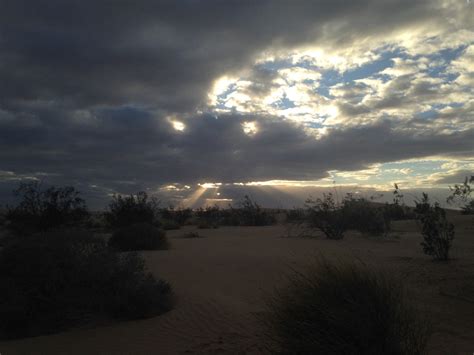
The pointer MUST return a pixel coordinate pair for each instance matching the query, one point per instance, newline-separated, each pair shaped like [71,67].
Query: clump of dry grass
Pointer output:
[343,308]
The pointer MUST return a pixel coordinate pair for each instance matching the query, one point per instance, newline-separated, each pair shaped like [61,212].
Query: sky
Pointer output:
[202,101]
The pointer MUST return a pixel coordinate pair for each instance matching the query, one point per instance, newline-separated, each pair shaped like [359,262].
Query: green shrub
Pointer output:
[45,209]
[140,236]
[53,281]
[343,309]
[438,233]
[127,210]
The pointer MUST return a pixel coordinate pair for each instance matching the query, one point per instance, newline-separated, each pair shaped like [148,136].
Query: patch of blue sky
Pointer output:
[427,115]
[284,103]
[372,69]
[444,57]
[275,65]
[421,166]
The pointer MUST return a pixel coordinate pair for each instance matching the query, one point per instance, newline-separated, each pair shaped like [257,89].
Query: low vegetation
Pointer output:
[43,209]
[326,215]
[191,235]
[56,280]
[128,210]
[245,213]
[343,309]
[334,218]
[437,231]
[139,236]
[461,196]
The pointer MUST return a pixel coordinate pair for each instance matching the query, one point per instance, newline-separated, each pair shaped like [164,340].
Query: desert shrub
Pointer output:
[56,280]
[438,233]
[203,224]
[169,224]
[343,308]
[127,210]
[139,236]
[209,217]
[423,206]
[326,215]
[245,213]
[295,215]
[364,216]
[397,210]
[468,208]
[250,213]
[461,195]
[44,209]
[178,216]
[191,235]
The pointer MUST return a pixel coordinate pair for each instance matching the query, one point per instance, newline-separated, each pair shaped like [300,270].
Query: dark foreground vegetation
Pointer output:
[59,268]
[245,213]
[55,273]
[55,280]
[343,309]
[139,236]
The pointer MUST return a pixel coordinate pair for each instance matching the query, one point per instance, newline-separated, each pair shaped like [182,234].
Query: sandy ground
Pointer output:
[220,279]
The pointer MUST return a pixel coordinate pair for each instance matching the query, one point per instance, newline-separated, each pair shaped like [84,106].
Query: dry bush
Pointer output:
[57,280]
[343,308]
[139,236]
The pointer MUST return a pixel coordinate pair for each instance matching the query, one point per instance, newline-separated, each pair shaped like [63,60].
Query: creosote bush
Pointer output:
[139,236]
[42,209]
[127,210]
[326,215]
[245,213]
[438,233]
[56,280]
[343,308]
[364,216]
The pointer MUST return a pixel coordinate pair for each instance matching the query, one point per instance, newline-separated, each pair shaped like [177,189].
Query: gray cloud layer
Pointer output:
[87,85]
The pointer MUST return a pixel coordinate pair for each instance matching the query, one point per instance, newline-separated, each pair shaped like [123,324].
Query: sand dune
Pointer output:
[220,281]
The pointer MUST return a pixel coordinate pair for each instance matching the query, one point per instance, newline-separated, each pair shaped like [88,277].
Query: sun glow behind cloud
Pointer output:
[421,79]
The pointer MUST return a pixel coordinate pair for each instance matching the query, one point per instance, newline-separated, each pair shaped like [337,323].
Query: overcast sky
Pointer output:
[121,96]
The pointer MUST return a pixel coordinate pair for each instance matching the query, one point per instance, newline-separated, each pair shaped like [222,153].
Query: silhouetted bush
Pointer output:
[127,210]
[438,233]
[461,195]
[176,216]
[343,309]
[56,280]
[209,217]
[468,208]
[326,215]
[169,224]
[139,236]
[245,213]
[364,216]
[295,215]
[44,209]
[249,213]
[191,235]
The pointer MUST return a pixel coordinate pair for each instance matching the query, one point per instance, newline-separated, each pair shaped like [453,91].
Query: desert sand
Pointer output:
[220,281]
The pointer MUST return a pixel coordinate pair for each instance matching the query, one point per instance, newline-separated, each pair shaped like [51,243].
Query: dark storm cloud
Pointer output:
[164,53]
[86,87]
[115,147]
